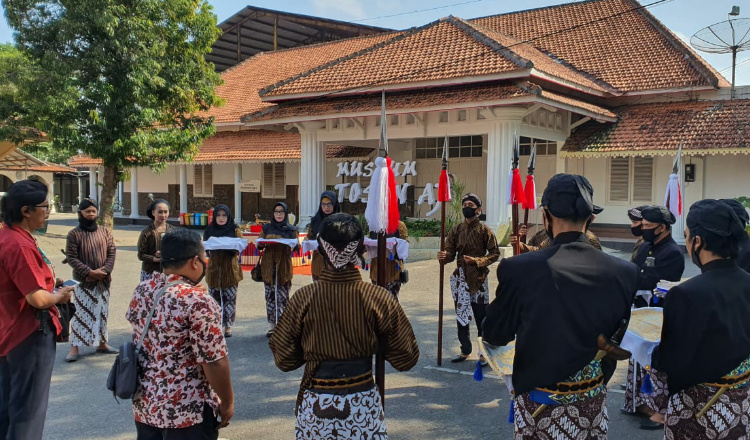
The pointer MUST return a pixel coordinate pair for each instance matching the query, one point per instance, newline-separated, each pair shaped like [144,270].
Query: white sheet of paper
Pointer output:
[309,246]
[402,247]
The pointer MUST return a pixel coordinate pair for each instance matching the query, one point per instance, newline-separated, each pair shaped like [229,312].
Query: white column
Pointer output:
[93,193]
[237,193]
[560,162]
[312,176]
[81,191]
[52,194]
[134,193]
[183,189]
[499,157]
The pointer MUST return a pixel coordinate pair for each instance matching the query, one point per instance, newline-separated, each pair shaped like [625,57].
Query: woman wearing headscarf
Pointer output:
[149,243]
[29,320]
[276,264]
[224,273]
[334,328]
[329,204]
[90,251]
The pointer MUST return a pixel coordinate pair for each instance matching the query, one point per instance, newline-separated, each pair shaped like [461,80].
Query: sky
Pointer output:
[683,17]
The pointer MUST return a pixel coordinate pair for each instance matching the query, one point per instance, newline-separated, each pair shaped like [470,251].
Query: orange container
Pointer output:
[210,215]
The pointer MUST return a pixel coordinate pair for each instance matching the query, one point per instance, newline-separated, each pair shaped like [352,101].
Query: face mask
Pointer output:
[694,256]
[469,212]
[649,235]
[203,274]
[637,230]
[548,230]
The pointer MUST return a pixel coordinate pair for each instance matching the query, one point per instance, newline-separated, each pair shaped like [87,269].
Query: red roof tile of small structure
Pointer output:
[704,127]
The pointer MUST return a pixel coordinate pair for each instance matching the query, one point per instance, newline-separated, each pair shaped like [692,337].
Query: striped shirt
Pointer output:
[341,318]
[473,239]
[87,251]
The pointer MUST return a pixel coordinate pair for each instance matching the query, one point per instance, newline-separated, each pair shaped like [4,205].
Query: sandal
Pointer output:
[108,350]
[227,334]
[72,357]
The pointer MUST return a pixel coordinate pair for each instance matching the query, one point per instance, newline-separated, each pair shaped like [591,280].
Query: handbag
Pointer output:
[66,312]
[256,273]
[123,376]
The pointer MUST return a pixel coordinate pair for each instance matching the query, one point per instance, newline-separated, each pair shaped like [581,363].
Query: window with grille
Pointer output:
[203,181]
[274,181]
[458,146]
[543,146]
[631,179]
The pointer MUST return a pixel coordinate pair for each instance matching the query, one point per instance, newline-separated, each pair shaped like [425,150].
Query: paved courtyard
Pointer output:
[425,403]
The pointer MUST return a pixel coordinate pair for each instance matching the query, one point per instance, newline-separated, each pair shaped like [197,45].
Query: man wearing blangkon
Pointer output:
[183,380]
[556,303]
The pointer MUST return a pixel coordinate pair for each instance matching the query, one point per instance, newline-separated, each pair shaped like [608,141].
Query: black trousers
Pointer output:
[206,430]
[25,375]
[464,334]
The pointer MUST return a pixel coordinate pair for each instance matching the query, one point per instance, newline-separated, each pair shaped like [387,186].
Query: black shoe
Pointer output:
[482,361]
[269,334]
[651,425]
[624,386]
[630,413]
[460,358]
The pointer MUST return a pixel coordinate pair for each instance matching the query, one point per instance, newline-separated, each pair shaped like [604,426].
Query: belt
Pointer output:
[343,377]
[730,381]
[564,388]
[344,383]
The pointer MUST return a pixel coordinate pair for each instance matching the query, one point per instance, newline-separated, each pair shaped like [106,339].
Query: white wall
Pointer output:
[152,182]
[727,176]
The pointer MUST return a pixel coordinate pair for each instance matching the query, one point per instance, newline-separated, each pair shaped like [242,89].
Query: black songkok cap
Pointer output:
[569,196]
[738,209]
[474,198]
[634,214]
[658,214]
[87,203]
[716,217]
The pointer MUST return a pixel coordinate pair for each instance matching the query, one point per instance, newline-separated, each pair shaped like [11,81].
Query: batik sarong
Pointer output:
[349,416]
[636,397]
[728,418]
[88,327]
[227,300]
[574,416]
[146,275]
[394,287]
[274,300]
[462,297]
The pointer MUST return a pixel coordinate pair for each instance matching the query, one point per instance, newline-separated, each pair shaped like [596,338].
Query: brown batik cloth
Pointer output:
[584,419]
[729,418]
[656,401]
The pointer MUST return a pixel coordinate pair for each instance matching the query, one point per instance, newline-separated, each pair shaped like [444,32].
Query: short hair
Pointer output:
[341,229]
[724,247]
[22,193]
[178,246]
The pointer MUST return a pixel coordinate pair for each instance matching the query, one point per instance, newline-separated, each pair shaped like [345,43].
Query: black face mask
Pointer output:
[548,229]
[650,235]
[637,230]
[469,212]
[203,274]
[694,256]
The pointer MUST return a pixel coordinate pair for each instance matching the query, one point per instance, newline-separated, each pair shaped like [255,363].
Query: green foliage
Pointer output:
[15,72]
[503,234]
[424,228]
[124,80]
[744,200]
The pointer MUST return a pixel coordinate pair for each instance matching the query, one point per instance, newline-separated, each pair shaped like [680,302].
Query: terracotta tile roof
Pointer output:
[266,146]
[83,161]
[466,96]
[445,49]
[18,160]
[704,127]
[632,51]
[242,82]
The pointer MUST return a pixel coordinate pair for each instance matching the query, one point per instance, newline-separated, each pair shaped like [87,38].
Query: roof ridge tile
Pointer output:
[478,34]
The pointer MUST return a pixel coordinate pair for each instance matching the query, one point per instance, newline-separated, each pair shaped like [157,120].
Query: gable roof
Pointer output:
[242,82]
[704,127]
[439,98]
[616,41]
[18,160]
[446,50]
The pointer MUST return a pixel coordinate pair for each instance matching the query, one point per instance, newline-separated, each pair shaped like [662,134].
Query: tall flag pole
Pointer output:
[529,191]
[382,218]
[673,196]
[516,192]
[444,196]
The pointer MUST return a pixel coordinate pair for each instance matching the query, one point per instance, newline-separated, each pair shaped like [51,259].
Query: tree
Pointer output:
[124,81]
[15,71]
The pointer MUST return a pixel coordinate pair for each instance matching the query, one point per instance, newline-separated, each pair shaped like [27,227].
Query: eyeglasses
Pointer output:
[47,207]
[327,205]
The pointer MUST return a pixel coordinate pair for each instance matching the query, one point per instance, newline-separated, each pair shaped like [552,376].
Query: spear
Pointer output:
[530,190]
[673,196]
[516,192]
[444,196]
